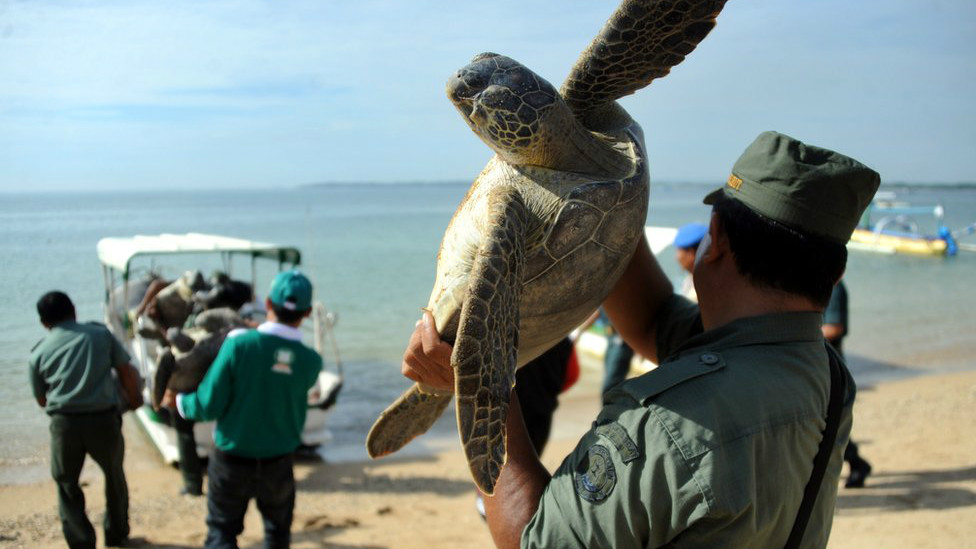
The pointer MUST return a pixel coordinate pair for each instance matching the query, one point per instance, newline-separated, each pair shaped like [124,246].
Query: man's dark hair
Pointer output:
[287,316]
[55,307]
[772,255]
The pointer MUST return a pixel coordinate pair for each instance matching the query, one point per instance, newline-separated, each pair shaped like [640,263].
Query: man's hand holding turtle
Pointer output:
[427,359]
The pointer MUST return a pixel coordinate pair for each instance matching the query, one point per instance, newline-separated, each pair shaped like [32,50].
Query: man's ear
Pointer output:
[720,239]
[716,237]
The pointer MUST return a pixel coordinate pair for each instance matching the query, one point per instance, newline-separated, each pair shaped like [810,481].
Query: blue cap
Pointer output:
[291,290]
[690,235]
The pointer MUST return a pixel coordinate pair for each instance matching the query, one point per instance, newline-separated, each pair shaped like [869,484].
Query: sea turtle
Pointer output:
[182,365]
[550,223]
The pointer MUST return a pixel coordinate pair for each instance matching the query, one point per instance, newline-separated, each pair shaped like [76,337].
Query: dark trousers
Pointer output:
[538,385]
[191,468]
[616,362]
[100,436]
[232,482]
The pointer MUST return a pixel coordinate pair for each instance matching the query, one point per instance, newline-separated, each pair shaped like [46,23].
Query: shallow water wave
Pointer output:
[371,252]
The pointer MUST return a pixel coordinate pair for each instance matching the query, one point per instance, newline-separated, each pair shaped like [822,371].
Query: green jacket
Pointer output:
[72,368]
[711,449]
[257,390]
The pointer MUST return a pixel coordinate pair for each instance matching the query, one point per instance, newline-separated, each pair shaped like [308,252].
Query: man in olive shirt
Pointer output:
[834,329]
[257,390]
[71,376]
[716,446]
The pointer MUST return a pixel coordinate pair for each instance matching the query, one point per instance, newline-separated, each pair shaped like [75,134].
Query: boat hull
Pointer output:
[863,239]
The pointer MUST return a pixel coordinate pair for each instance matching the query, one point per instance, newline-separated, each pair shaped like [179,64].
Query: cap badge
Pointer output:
[734,182]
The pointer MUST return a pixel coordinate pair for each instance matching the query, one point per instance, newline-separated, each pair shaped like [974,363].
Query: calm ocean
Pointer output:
[370,249]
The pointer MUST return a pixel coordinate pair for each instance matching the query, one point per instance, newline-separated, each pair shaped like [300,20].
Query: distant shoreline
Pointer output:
[961,185]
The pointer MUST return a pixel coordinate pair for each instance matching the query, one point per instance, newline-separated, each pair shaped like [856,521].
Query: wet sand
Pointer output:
[918,434]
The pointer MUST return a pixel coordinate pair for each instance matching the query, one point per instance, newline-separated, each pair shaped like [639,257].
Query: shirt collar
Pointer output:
[280,330]
[763,329]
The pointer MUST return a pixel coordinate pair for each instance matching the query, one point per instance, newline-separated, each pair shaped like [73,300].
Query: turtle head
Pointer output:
[508,106]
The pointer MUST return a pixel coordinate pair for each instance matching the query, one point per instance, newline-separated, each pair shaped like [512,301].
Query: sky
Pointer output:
[233,94]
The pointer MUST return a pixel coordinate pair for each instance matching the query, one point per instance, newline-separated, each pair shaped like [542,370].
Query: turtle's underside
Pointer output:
[550,223]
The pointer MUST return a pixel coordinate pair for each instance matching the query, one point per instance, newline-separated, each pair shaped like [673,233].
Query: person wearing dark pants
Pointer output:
[835,328]
[257,391]
[617,359]
[191,467]
[233,481]
[71,376]
[98,434]
[539,383]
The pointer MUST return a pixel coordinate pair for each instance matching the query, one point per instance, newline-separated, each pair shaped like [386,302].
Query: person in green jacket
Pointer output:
[714,447]
[257,391]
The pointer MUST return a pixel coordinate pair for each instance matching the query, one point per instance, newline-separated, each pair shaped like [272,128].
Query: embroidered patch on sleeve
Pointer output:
[595,476]
[618,436]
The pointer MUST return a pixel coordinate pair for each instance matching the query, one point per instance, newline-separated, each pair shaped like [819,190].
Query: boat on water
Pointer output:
[129,264]
[897,227]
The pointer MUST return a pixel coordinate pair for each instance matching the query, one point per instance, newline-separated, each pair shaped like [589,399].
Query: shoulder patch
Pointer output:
[618,436]
[595,475]
[672,373]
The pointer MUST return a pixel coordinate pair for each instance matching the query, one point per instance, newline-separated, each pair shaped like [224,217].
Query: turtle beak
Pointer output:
[461,94]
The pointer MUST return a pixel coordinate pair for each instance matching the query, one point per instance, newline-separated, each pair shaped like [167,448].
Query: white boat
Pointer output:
[127,264]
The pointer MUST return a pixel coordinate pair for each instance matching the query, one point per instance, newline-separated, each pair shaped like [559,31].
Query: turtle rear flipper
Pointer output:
[409,416]
[486,348]
[642,41]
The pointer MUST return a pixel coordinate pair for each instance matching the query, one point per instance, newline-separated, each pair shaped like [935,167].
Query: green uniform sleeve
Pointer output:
[623,486]
[836,311]
[678,321]
[38,385]
[214,394]
[119,354]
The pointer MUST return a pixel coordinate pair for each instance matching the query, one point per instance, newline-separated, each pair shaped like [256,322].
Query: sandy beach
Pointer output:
[917,433]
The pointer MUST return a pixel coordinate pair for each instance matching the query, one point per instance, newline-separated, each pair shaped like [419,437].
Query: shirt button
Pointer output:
[708,359]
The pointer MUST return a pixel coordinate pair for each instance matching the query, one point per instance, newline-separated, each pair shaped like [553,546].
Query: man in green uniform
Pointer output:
[716,446]
[257,390]
[71,375]
[835,330]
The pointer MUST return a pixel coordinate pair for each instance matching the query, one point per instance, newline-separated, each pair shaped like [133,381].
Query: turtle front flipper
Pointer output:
[642,41]
[486,348]
[409,416]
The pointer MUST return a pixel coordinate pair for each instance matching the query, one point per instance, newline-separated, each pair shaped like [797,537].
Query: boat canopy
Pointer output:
[118,252]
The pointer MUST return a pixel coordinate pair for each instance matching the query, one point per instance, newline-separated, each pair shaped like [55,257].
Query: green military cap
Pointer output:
[807,188]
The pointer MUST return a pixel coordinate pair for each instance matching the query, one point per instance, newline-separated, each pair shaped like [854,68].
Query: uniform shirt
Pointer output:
[711,449]
[836,313]
[72,368]
[257,390]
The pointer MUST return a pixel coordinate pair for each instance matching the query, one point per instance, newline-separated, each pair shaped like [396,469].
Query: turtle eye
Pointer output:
[477,114]
[498,98]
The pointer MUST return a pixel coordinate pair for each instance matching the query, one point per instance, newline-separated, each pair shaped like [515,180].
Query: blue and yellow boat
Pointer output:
[891,227]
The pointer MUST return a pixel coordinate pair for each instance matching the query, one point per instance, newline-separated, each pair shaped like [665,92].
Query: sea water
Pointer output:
[370,250]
